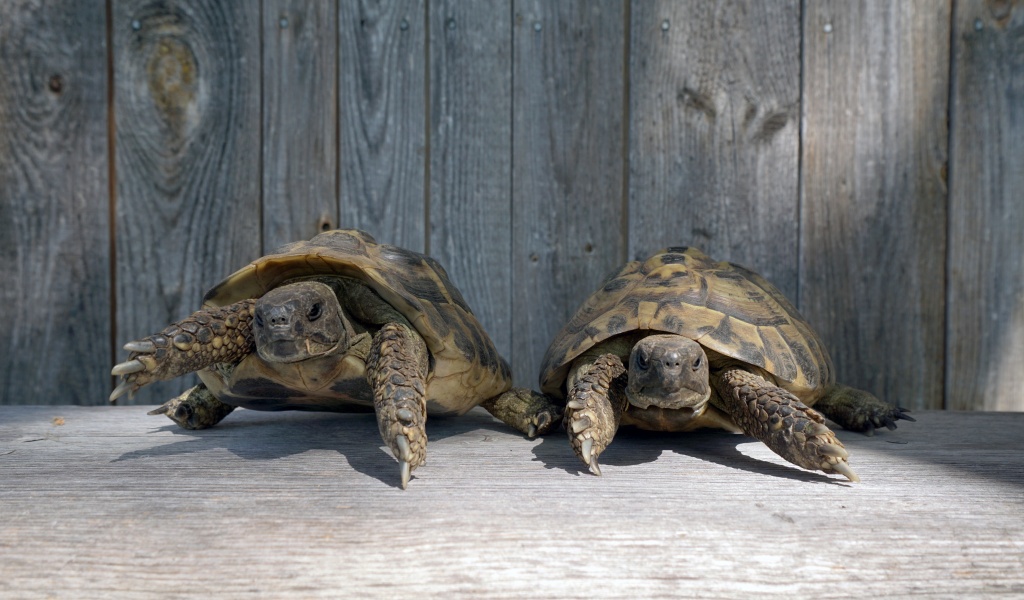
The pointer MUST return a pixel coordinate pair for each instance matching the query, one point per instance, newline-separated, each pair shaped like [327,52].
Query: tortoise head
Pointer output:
[668,371]
[299,321]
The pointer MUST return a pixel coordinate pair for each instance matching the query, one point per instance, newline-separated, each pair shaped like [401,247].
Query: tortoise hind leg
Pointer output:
[781,421]
[396,370]
[858,410]
[525,410]
[196,408]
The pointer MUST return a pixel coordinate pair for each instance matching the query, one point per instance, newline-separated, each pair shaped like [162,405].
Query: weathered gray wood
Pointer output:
[568,165]
[714,132]
[187,109]
[382,95]
[116,504]
[985,334]
[54,199]
[300,120]
[874,193]
[470,46]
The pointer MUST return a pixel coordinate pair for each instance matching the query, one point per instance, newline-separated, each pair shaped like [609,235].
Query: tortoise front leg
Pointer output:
[396,370]
[594,407]
[781,421]
[206,337]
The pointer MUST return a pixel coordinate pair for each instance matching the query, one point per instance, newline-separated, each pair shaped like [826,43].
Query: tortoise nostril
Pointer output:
[671,360]
[277,316]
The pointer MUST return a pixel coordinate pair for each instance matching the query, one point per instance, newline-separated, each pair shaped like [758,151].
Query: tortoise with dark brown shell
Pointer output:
[336,323]
[680,341]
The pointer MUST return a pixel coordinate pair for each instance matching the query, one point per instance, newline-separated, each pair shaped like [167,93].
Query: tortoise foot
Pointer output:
[858,410]
[195,408]
[396,370]
[208,336]
[783,423]
[526,410]
[403,429]
[591,415]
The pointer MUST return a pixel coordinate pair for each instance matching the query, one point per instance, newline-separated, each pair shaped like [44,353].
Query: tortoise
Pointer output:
[680,341]
[337,323]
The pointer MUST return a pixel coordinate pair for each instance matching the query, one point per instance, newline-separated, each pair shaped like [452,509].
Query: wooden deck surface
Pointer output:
[109,502]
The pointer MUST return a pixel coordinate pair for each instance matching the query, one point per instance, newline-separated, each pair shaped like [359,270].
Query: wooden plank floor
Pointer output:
[108,502]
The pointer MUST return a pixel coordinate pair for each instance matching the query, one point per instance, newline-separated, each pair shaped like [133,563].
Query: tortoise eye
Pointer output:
[259,319]
[697,362]
[315,311]
[641,361]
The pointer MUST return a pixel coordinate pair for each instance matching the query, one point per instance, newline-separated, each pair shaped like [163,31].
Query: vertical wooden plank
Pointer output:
[383,78]
[986,209]
[714,126]
[187,107]
[300,126]
[54,203]
[874,193]
[568,165]
[471,155]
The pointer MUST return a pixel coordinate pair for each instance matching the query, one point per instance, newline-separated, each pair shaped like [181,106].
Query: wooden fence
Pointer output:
[866,156]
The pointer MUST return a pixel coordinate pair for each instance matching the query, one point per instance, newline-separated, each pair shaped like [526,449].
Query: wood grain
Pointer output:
[300,120]
[382,78]
[54,197]
[471,155]
[985,335]
[714,132]
[118,504]
[873,192]
[568,166]
[187,107]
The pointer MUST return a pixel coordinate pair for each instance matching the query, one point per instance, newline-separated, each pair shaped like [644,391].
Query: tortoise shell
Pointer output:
[465,367]
[726,308]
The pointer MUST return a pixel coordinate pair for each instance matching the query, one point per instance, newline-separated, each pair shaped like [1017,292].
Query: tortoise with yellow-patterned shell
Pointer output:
[337,323]
[680,341]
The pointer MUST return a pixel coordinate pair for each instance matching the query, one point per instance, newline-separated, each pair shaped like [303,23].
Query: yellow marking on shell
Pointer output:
[646,314]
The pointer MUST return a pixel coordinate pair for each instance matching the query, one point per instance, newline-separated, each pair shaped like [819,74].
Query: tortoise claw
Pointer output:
[589,456]
[163,409]
[406,470]
[901,413]
[142,346]
[587,450]
[843,468]
[123,388]
[404,451]
[128,367]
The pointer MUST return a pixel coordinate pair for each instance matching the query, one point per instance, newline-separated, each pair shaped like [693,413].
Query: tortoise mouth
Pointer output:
[670,397]
[294,350]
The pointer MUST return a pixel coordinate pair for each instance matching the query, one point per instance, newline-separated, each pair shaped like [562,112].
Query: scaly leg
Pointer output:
[594,407]
[858,410]
[196,408]
[396,370]
[525,410]
[780,420]
[208,336]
